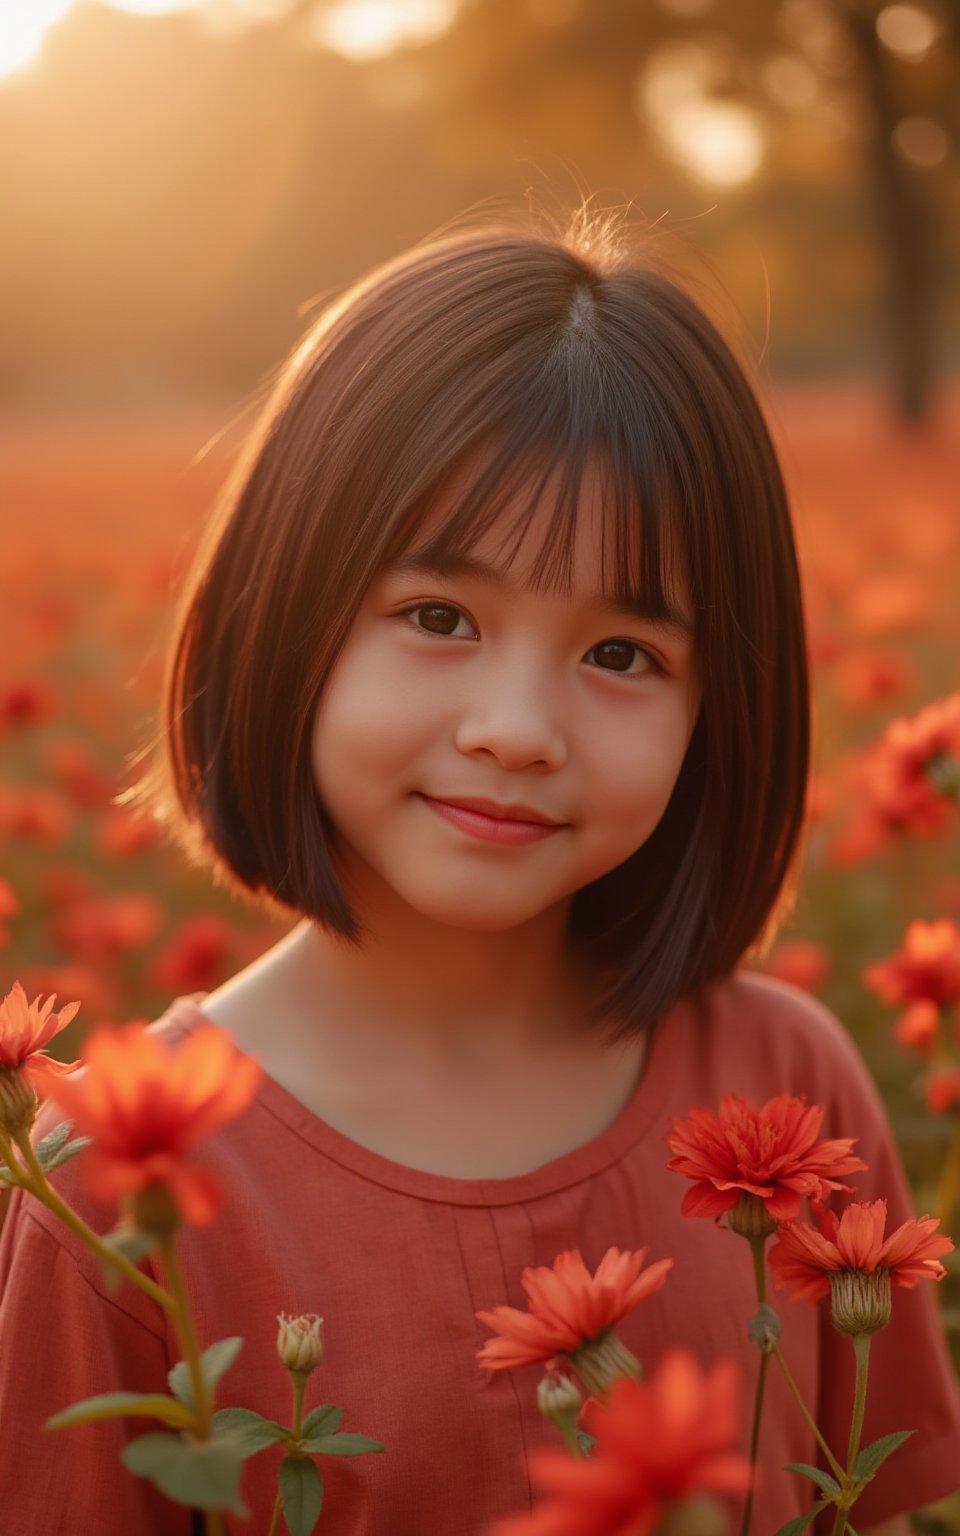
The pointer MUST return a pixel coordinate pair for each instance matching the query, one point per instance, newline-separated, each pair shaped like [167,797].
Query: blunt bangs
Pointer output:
[639,558]
[442,398]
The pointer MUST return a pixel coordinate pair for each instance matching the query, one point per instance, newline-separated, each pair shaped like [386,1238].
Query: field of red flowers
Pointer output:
[97,522]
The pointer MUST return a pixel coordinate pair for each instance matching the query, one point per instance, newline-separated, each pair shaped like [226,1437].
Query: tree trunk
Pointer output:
[904,219]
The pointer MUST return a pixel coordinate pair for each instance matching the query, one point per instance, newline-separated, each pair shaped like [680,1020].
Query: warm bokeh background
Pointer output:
[183,185]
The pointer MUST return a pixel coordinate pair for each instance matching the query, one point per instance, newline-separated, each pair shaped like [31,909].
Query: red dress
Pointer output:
[397,1262]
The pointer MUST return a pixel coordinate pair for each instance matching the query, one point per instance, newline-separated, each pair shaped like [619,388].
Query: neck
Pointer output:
[442,997]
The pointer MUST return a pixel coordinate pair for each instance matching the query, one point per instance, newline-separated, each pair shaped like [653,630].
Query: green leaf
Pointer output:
[117,1405]
[51,1144]
[255,1432]
[55,1149]
[217,1360]
[873,1456]
[325,1420]
[341,1445]
[301,1494]
[202,1473]
[132,1244]
[799,1525]
[823,1480]
[214,1363]
[586,1442]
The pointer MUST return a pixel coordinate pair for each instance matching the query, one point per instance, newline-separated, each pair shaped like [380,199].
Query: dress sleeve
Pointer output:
[63,1338]
[912,1383]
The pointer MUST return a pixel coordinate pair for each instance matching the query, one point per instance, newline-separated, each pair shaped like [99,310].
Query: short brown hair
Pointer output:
[519,349]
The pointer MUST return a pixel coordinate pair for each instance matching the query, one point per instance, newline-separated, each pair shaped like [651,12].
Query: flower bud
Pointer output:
[602,1360]
[559,1400]
[153,1209]
[696,1516]
[18,1101]
[300,1342]
[860,1302]
[751,1218]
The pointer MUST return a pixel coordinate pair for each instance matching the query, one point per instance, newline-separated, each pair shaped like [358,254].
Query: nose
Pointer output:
[508,715]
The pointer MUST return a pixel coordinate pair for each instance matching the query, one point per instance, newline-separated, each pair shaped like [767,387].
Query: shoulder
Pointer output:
[776,1038]
[765,1011]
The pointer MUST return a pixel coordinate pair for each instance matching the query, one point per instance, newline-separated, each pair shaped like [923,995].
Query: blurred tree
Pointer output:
[181,190]
[861,67]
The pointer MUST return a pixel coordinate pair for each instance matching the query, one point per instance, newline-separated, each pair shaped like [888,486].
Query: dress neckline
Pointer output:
[668,1041]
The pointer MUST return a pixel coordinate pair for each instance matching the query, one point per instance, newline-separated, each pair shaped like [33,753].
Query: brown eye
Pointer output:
[438,618]
[615,655]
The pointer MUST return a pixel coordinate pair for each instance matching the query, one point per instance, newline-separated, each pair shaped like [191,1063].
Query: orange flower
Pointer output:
[569,1309]
[927,969]
[25,1030]
[658,1443]
[917,1029]
[145,1107]
[805,1258]
[771,1153]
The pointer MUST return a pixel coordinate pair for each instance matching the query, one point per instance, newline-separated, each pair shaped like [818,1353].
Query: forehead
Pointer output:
[569,527]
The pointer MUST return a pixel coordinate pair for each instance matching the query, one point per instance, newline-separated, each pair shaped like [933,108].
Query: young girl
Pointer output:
[492,670]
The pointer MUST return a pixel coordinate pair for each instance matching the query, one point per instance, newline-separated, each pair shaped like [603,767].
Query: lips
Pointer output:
[498,812]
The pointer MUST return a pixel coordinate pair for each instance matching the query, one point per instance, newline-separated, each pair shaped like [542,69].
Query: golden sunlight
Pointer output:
[152,7]
[682,94]
[370,29]
[720,142]
[23,24]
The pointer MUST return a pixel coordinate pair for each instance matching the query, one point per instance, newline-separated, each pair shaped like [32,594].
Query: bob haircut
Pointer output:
[516,355]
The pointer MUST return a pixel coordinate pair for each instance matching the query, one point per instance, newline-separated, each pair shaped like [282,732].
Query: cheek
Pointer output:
[634,766]
[363,723]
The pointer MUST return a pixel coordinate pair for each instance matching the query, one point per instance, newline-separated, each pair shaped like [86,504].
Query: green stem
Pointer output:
[299,1379]
[832,1461]
[949,1180]
[183,1322]
[757,1246]
[861,1348]
[570,1439]
[39,1185]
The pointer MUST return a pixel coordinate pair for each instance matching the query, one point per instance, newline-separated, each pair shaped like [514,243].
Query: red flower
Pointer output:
[569,1307]
[24,1031]
[917,1028]
[772,1153]
[943,1091]
[927,969]
[865,678]
[658,1443]
[893,784]
[805,1258]
[145,1107]
[802,964]
[98,928]
[194,959]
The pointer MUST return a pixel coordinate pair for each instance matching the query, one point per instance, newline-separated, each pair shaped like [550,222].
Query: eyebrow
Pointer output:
[669,616]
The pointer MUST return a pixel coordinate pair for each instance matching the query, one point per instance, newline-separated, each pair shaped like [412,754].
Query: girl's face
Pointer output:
[486,750]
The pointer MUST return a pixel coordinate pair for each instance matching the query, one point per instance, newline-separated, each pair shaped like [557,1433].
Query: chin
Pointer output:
[468,913]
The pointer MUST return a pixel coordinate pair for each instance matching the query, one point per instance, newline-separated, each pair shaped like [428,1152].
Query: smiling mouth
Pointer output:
[510,826]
